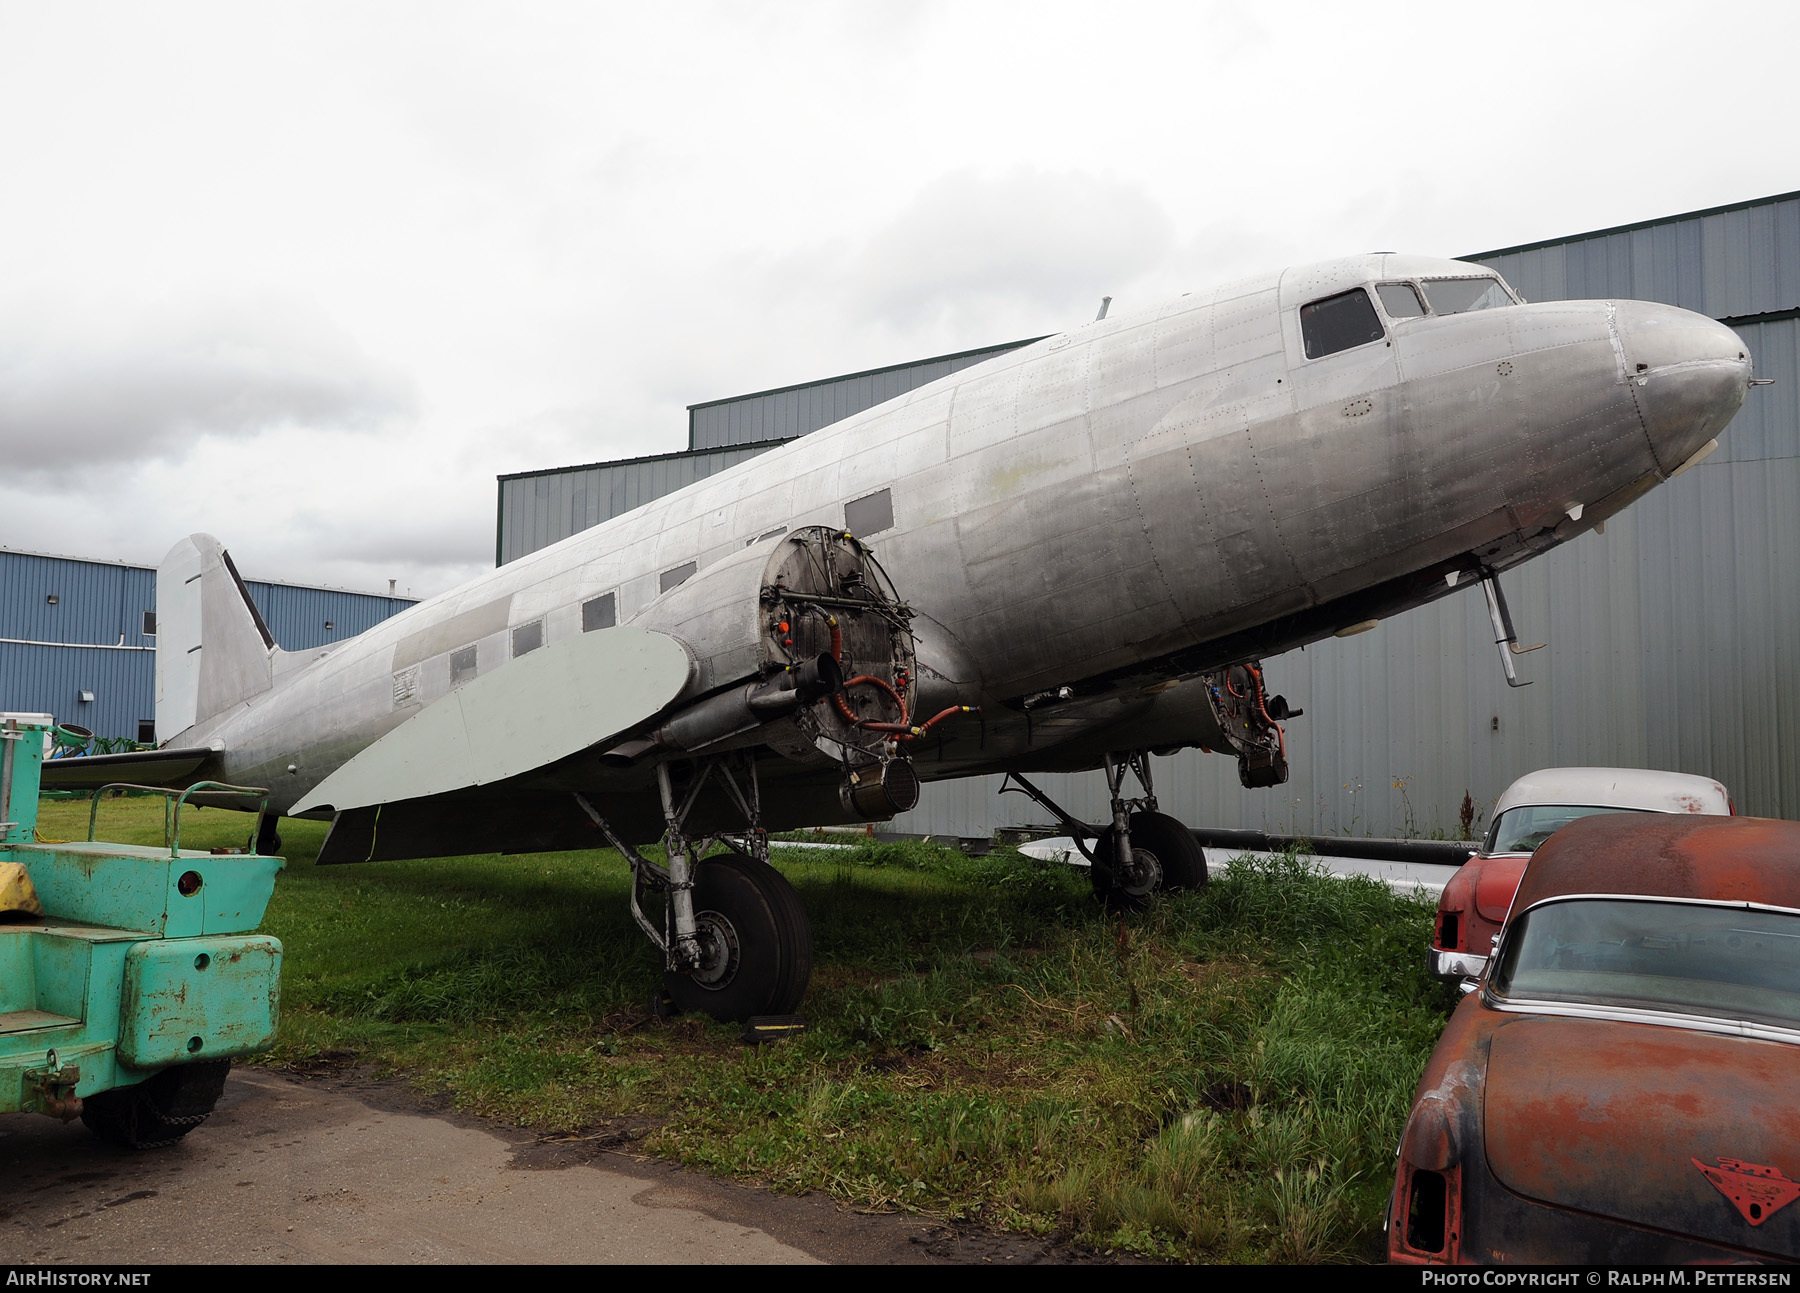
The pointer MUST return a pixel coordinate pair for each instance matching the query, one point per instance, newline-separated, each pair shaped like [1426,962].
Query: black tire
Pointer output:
[158,1111]
[1166,859]
[268,841]
[758,940]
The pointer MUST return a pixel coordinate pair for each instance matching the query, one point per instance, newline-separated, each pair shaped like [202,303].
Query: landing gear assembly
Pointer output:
[735,940]
[1142,852]
[835,690]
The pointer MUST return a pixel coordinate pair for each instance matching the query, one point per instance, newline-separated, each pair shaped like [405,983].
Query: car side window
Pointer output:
[1339,322]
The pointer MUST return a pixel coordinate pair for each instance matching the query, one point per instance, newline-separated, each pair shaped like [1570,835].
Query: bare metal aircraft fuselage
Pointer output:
[1065,558]
[1080,523]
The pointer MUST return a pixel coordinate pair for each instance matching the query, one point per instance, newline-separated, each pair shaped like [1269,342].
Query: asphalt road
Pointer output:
[336,1170]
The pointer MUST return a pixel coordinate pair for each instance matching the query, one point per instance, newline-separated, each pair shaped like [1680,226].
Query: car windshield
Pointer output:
[1521,830]
[1729,962]
[1460,295]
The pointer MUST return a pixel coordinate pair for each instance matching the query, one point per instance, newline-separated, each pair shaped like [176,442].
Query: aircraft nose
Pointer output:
[1691,375]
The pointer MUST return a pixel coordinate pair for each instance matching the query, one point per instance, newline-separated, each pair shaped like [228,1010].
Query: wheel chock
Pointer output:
[760,1029]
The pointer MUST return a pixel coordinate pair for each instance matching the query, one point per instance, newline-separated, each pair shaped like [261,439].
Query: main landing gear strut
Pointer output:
[734,938]
[1142,851]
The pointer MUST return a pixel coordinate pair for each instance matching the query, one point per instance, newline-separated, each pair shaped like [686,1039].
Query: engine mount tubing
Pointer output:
[1262,704]
[913,733]
[849,715]
[904,730]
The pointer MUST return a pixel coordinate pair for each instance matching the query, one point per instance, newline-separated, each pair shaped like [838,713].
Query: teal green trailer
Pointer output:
[130,975]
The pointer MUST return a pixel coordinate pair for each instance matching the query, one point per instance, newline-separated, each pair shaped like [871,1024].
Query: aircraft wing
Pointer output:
[544,706]
[137,767]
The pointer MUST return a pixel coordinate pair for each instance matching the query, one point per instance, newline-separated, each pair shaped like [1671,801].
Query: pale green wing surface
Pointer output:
[532,711]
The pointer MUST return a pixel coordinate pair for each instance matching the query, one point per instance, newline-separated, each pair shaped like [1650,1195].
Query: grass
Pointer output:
[1220,1079]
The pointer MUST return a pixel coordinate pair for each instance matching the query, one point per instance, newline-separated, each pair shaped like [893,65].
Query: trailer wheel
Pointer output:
[1165,859]
[756,944]
[159,1110]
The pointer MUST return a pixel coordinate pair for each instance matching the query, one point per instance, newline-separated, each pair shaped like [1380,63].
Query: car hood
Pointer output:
[1645,1123]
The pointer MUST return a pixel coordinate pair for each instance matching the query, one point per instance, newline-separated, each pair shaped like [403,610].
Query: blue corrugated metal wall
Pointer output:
[91,637]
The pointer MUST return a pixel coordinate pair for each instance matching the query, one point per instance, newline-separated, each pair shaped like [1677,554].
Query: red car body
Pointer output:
[1474,903]
[1634,1097]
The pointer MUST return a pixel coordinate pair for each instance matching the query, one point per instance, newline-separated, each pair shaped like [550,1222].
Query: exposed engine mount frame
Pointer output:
[1250,720]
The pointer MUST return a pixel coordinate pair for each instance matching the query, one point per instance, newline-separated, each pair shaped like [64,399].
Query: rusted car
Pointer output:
[1624,1084]
[1534,807]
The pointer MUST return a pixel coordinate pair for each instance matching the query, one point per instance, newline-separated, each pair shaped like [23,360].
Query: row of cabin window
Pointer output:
[1348,319]
[599,613]
[870,514]
[867,515]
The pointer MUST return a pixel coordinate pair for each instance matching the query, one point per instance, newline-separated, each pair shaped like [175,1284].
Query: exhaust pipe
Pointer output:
[730,713]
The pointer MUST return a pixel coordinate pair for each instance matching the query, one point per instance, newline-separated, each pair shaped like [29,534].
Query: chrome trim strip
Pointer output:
[1667,899]
[1658,1018]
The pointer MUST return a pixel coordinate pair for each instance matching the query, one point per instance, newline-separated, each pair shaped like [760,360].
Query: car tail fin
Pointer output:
[213,650]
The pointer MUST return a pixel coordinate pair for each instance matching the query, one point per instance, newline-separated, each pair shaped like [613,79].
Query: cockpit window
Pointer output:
[1339,323]
[1400,300]
[1460,295]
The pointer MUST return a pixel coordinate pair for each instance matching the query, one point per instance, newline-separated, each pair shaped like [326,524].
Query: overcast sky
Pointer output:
[309,276]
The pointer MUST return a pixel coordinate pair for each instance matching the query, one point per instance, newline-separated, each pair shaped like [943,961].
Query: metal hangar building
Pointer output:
[1674,637]
[77,636]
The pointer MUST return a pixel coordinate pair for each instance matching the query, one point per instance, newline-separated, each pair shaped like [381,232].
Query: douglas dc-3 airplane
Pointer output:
[1062,559]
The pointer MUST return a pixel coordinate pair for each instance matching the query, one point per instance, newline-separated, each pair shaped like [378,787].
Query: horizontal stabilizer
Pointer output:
[532,711]
[136,767]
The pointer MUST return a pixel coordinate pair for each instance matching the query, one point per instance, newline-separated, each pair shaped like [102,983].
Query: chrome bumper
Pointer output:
[1453,967]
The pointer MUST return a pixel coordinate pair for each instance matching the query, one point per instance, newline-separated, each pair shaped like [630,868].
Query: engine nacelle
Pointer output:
[800,645]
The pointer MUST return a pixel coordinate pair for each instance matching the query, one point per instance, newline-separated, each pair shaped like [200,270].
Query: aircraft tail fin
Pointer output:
[213,650]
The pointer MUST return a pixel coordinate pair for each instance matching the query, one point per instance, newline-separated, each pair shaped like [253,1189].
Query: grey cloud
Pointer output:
[1028,238]
[453,539]
[86,388]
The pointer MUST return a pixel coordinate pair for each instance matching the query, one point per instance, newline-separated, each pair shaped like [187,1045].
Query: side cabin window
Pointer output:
[600,613]
[870,514]
[1339,323]
[679,575]
[1460,295]
[462,665]
[527,638]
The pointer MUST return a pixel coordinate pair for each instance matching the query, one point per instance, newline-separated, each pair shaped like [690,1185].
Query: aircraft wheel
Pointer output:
[756,944]
[158,1111]
[1165,859]
[268,842]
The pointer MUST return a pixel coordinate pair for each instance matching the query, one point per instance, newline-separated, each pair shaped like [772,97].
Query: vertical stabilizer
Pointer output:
[213,650]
